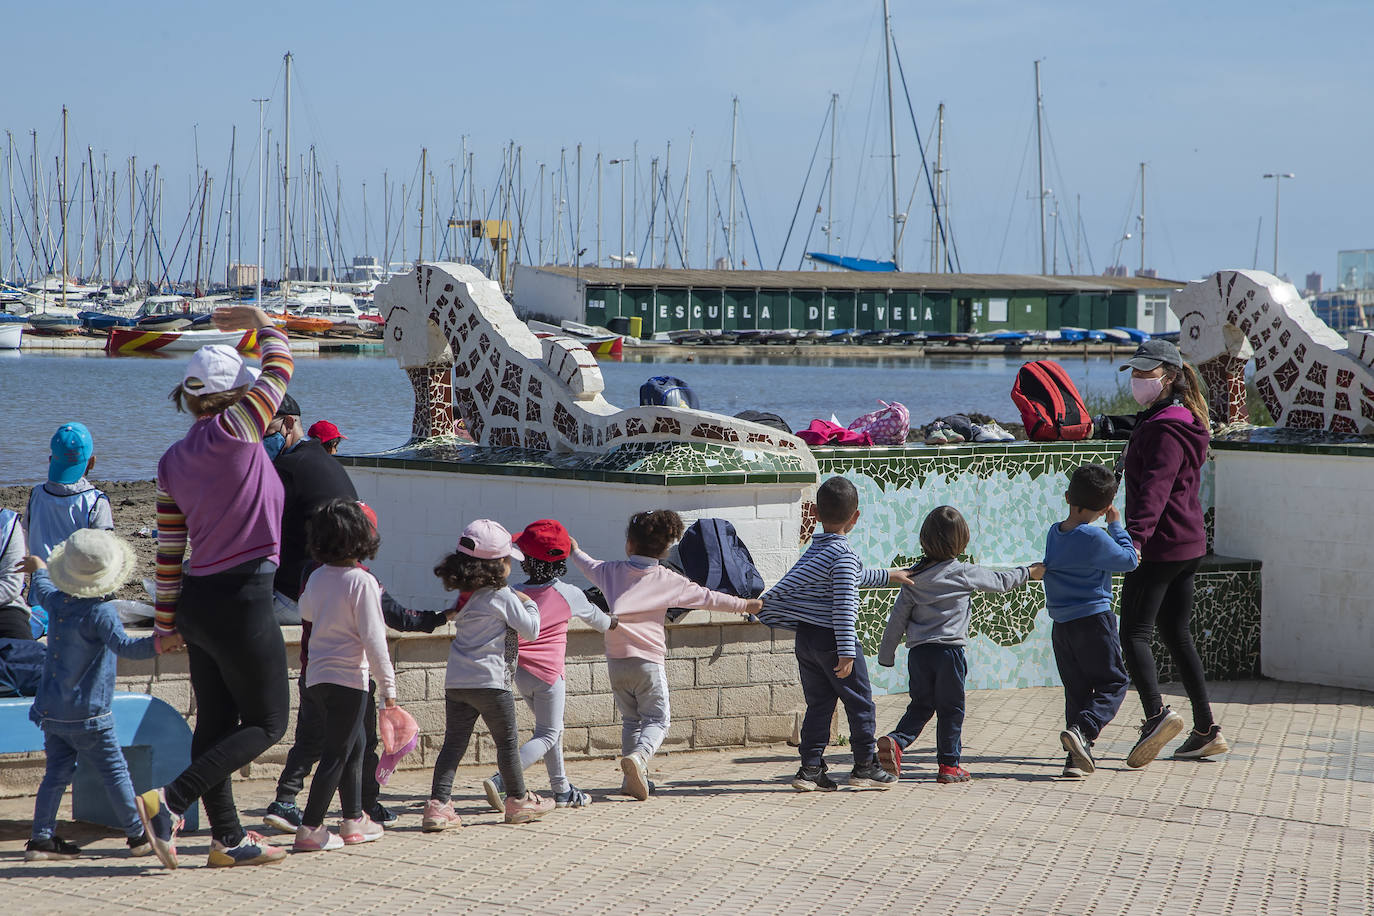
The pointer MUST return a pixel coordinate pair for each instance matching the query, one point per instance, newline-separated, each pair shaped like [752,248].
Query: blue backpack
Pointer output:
[666,391]
[713,555]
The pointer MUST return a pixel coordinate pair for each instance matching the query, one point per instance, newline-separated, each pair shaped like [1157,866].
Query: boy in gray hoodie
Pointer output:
[932,615]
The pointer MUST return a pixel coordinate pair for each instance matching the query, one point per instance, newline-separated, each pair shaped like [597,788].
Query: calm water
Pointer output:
[124,401]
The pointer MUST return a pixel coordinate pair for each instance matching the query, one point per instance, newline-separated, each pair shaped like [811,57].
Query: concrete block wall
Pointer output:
[1307,517]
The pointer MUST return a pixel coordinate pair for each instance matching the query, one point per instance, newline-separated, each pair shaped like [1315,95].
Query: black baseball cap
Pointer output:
[288,408]
[1152,354]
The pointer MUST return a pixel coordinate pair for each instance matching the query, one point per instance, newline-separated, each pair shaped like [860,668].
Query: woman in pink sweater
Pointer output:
[639,592]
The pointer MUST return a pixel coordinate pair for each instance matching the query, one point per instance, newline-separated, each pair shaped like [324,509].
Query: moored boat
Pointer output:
[54,325]
[125,341]
[11,333]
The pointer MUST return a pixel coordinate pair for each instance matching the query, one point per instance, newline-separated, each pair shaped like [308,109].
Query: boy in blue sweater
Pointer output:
[1079,561]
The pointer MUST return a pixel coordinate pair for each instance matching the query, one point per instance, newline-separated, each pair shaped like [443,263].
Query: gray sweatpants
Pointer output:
[641,695]
[546,702]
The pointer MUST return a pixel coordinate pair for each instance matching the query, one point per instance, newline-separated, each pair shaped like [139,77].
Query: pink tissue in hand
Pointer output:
[400,736]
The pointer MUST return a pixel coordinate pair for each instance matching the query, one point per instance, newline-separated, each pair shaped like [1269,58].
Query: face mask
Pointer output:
[274,444]
[1146,390]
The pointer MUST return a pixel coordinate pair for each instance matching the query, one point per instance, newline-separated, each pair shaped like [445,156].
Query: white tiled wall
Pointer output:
[1309,519]
[421,513]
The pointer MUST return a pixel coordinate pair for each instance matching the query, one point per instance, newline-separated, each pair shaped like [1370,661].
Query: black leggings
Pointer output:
[308,746]
[1161,594]
[461,710]
[340,710]
[238,674]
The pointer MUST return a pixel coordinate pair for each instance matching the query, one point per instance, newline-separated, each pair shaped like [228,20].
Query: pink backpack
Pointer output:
[888,426]
[823,432]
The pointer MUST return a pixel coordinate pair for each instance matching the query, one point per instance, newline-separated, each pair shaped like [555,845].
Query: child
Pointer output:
[67,502]
[932,615]
[73,702]
[539,677]
[638,593]
[819,599]
[347,644]
[1080,559]
[478,681]
[14,609]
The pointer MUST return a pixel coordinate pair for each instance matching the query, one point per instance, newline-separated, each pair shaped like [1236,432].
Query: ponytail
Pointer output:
[1187,387]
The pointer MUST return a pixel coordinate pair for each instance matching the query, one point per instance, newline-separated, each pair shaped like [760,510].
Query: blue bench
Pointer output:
[155,738]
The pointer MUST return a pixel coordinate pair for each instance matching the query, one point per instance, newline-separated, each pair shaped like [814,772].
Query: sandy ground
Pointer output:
[133,504]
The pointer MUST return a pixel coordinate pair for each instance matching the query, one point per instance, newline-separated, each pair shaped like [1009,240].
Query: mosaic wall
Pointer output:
[1010,495]
[1308,375]
[514,390]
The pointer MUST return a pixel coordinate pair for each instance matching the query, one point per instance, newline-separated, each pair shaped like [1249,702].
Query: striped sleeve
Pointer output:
[247,420]
[844,585]
[873,577]
[171,549]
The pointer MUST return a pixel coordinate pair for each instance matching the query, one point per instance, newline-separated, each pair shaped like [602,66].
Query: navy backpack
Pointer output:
[666,391]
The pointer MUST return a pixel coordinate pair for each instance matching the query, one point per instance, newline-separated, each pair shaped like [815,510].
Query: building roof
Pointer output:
[830,279]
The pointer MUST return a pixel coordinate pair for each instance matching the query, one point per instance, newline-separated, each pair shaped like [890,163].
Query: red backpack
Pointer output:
[1051,407]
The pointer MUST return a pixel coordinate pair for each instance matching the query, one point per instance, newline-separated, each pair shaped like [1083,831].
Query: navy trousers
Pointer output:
[816,661]
[936,672]
[1088,654]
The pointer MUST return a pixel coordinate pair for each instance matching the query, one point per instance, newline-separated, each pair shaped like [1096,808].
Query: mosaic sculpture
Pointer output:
[512,389]
[1308,375]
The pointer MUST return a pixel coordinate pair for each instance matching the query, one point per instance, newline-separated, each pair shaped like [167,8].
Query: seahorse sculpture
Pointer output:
[1307,374]
[461,343]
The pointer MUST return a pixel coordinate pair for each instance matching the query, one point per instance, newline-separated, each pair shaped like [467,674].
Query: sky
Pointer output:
[1210,96]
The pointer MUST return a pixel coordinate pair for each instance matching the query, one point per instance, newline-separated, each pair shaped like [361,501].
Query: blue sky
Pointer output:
[1209,95]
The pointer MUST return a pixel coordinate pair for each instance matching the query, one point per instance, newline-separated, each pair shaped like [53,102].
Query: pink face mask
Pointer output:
[1146,390]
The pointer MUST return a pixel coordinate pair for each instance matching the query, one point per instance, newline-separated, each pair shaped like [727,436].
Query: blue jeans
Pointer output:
[936,673]
[97,748]
[816,661]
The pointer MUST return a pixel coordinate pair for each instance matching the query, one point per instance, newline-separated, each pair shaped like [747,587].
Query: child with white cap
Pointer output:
[481,664]
[73,701]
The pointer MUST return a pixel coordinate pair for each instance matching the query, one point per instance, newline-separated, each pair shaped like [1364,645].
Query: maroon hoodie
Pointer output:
[1163,464]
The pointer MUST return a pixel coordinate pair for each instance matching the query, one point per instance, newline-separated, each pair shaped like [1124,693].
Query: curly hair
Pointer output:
[338,531]
[461,572]
[944,534]
[541,571]
[652,532]
[201,405]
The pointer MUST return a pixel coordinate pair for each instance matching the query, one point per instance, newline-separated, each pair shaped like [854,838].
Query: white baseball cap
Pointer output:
[215,368]
[488,540]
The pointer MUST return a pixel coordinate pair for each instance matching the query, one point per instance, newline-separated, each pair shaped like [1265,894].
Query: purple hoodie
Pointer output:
[1163,466]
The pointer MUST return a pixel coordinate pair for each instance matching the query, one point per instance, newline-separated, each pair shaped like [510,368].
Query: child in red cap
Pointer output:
[539,674]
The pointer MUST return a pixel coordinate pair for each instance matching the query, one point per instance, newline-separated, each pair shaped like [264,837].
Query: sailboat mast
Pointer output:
[200,231]
[939,190]
[133,180]
[95,214]
[667,213]
[687,201]
[830,201]
[62,205]
[424,161]
[1040,161]
[598,210]
[1142,218]
[9,171]
[229,196]
[286,188]
[262,222]
[891,128]
[730,230]
[710,230]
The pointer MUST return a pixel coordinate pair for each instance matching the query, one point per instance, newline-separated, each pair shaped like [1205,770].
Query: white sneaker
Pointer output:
[636,776]
[985,433]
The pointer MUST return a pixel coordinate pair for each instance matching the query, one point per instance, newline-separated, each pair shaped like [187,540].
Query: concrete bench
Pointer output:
[155,738]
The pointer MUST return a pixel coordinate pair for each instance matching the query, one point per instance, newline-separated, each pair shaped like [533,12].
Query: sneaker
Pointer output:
[1079,748]
[1071,770]
[439,816]
[937,434]
[360,830]
[283,817]
[636,776]
[573,798]
[50,849]
[813,779]
[382,814]
[1205,744]
[139,845]
[316,839]
[890,756]
[160,824]
[530,808]
[993,428]
[870,776]
[985,433]
[1155,732]
[251,850]
[949,774]
[496,792]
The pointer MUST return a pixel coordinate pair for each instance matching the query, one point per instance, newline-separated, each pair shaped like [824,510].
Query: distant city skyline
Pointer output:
[1210,98]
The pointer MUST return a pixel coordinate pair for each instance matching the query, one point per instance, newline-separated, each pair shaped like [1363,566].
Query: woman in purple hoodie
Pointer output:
[1163,464]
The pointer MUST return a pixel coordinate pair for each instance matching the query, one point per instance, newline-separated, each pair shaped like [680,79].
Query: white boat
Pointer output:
[11,335]
[140,340]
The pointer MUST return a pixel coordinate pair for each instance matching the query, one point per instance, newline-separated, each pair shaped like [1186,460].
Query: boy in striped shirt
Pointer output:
[818,599]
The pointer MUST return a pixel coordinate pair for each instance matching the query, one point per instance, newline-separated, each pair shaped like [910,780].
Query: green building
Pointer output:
[675,300]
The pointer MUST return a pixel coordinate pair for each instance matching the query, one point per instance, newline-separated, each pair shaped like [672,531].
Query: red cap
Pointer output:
[367,511]
[545,540]
[325,431]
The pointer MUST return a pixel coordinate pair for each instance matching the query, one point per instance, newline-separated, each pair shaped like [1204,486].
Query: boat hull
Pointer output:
[11,335]
[127,341]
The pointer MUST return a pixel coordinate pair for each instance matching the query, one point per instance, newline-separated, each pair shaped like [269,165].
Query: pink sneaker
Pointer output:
[316,839]
[439,816]
[530,808]
[360,830]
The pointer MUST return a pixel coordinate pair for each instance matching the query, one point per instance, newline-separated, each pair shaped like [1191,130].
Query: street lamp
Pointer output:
[1278,182]
[621,163]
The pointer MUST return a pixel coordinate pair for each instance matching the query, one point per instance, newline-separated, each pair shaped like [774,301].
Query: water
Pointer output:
[124,401]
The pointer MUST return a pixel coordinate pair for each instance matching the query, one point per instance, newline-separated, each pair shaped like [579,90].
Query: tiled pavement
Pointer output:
[1280,825]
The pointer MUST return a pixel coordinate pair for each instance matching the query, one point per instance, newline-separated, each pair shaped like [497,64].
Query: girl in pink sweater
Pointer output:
[639,592]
